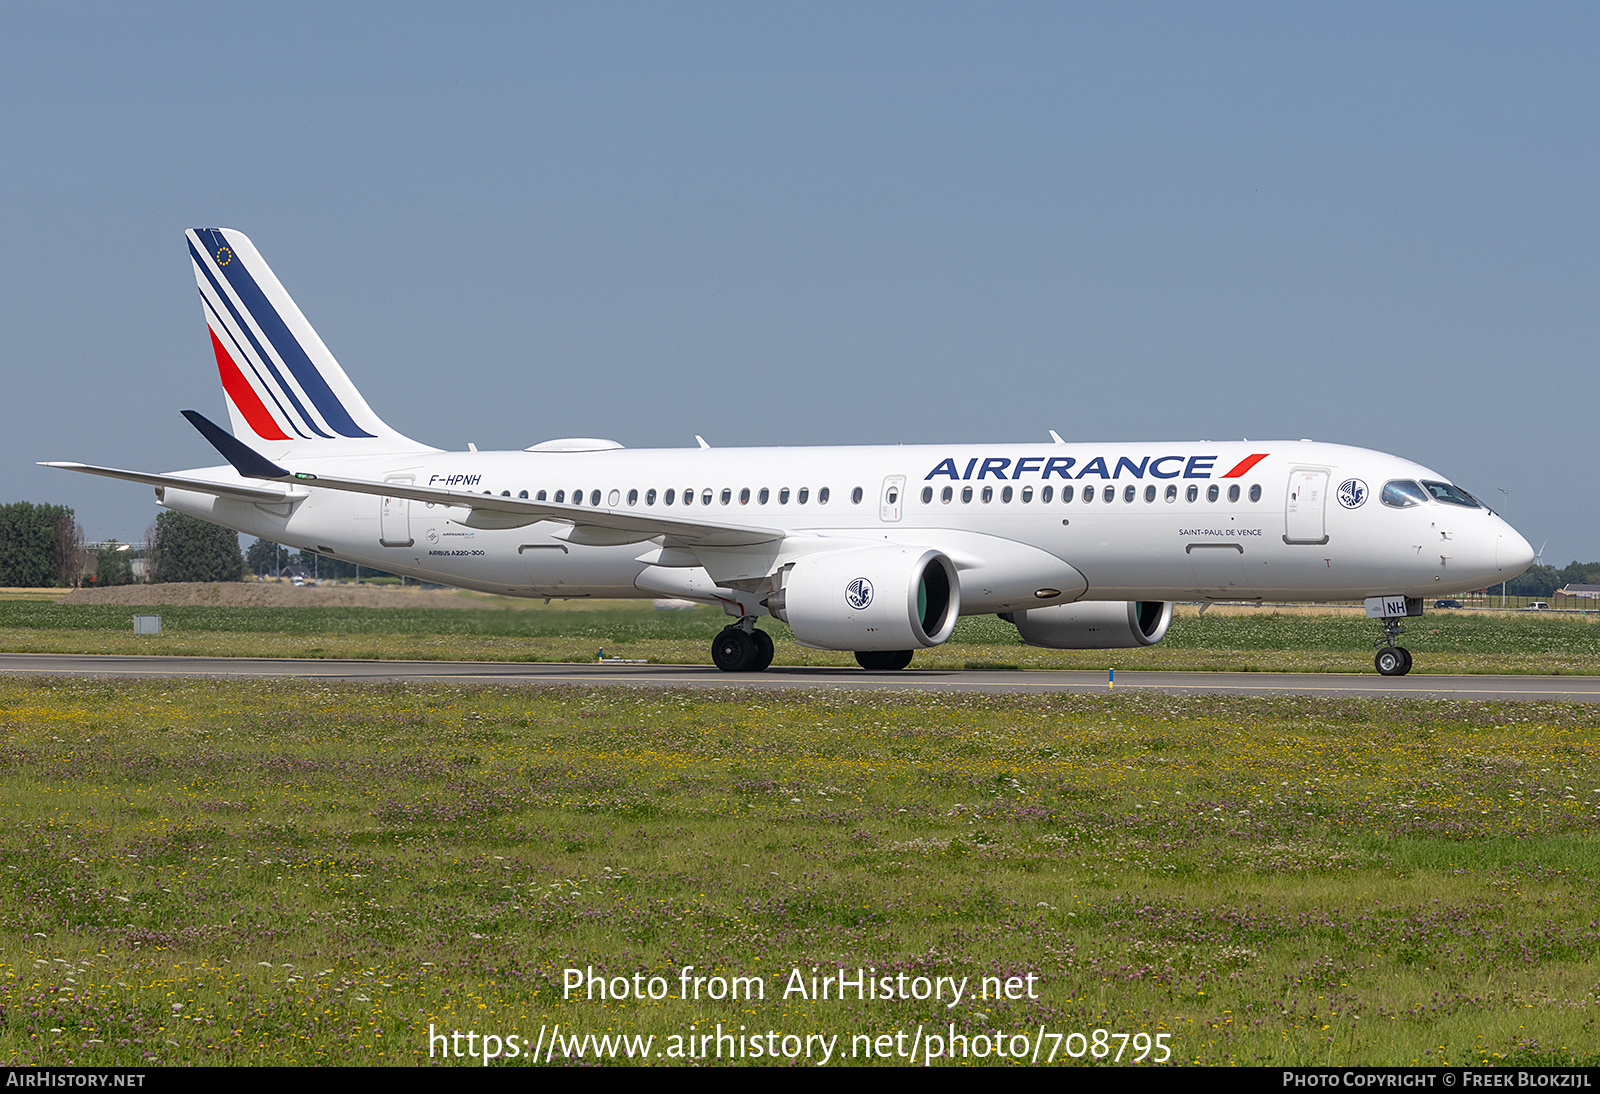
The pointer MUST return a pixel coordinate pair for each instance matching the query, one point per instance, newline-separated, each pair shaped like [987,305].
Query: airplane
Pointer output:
[874,550]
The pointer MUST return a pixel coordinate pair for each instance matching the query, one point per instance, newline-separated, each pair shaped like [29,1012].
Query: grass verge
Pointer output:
[234,873]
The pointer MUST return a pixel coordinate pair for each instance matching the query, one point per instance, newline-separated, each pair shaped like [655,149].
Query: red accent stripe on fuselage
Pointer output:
[1246,464]
[244,396]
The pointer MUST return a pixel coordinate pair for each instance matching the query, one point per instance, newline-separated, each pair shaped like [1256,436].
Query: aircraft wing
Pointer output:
[496,511]
[180,482]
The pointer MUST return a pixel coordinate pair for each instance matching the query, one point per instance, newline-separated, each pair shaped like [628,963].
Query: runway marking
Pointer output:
[1075,681]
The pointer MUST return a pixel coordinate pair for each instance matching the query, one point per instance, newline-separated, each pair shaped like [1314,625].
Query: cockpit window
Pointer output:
[1451,495]
[1402,494]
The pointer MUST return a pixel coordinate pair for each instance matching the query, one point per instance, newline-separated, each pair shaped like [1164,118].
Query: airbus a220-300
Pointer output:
[875,550]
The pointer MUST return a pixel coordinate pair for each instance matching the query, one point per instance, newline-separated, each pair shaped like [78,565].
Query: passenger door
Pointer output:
[1303,508]
[394,517]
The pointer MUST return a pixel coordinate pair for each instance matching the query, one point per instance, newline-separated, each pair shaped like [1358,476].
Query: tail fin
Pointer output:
[285,391]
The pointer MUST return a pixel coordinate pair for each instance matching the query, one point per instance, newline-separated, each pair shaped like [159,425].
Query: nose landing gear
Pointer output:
[1392,660]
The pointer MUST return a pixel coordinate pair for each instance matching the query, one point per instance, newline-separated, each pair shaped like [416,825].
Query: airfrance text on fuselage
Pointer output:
[1160,467]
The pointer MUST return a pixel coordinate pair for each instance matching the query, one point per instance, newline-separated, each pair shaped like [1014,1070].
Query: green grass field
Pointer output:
[236,873]
[1263,640]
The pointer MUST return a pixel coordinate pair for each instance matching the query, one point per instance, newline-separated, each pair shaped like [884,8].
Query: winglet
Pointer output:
[246,460]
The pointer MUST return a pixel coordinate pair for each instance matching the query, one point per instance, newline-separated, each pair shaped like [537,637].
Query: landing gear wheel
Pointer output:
[764,651]
[734,651]
[1393,661]
[883,660]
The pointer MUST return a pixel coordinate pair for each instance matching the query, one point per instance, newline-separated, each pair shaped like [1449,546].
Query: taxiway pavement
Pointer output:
[1572,689]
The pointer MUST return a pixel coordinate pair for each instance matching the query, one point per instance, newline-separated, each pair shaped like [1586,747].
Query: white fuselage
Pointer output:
[1310,534]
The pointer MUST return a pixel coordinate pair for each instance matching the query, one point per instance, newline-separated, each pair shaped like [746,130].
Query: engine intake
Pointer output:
[1094,624]
[870,598]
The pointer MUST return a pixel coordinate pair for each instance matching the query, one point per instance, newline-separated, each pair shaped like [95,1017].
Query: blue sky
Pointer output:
[822,224]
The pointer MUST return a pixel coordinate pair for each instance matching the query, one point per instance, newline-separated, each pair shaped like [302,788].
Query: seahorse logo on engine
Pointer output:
[858,594]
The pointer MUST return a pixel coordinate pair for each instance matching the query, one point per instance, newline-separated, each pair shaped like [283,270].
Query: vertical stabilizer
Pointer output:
[286,393]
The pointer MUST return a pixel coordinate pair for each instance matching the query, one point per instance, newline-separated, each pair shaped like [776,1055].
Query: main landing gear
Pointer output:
[739,648]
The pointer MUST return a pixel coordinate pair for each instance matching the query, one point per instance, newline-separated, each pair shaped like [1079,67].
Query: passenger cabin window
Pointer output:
[1150,493]
[727,496]
[946,494]
[1110,494]
[539,496]
[966,494]
[1233,492]
[805,495]
[594,497]
[1066,493]
[1088,494]
[1192,493]
[633,497]
[1402,494]
[1045,494]
[688,496]
[855,496]
[1027,494]
[987,495]
[650,497]
[761,498]
[822,496]
[522,494]
[1172,491]
[744,496]
[927,495]
[1212,492]
[1005,494]
[561,497]
[1450,495]
[669,497]
[1255,492]
[1128,492]
[705,497]
[783,496]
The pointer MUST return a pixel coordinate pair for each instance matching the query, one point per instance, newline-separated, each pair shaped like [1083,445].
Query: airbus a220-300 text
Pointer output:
[876,550]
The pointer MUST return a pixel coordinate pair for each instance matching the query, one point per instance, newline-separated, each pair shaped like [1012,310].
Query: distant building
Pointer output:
[1589,592]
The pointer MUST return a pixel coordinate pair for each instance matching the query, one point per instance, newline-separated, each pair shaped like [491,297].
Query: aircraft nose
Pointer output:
[1512,554]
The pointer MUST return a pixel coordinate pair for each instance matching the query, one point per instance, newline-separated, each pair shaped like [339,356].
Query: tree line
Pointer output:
[42,546]
[1543,581]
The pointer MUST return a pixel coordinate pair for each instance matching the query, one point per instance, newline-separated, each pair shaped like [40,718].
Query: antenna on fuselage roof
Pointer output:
[701,441]
[1056,437]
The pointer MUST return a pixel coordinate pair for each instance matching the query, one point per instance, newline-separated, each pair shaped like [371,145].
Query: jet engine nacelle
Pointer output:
[870,598]
[1094,624]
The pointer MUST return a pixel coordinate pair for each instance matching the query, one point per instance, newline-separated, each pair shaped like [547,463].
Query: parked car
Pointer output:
[1537,606]
[1447,604]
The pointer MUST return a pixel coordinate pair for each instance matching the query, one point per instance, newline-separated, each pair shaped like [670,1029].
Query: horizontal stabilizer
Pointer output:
[183,482]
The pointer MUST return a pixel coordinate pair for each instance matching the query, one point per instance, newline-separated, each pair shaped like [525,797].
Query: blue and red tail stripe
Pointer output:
[284,345]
